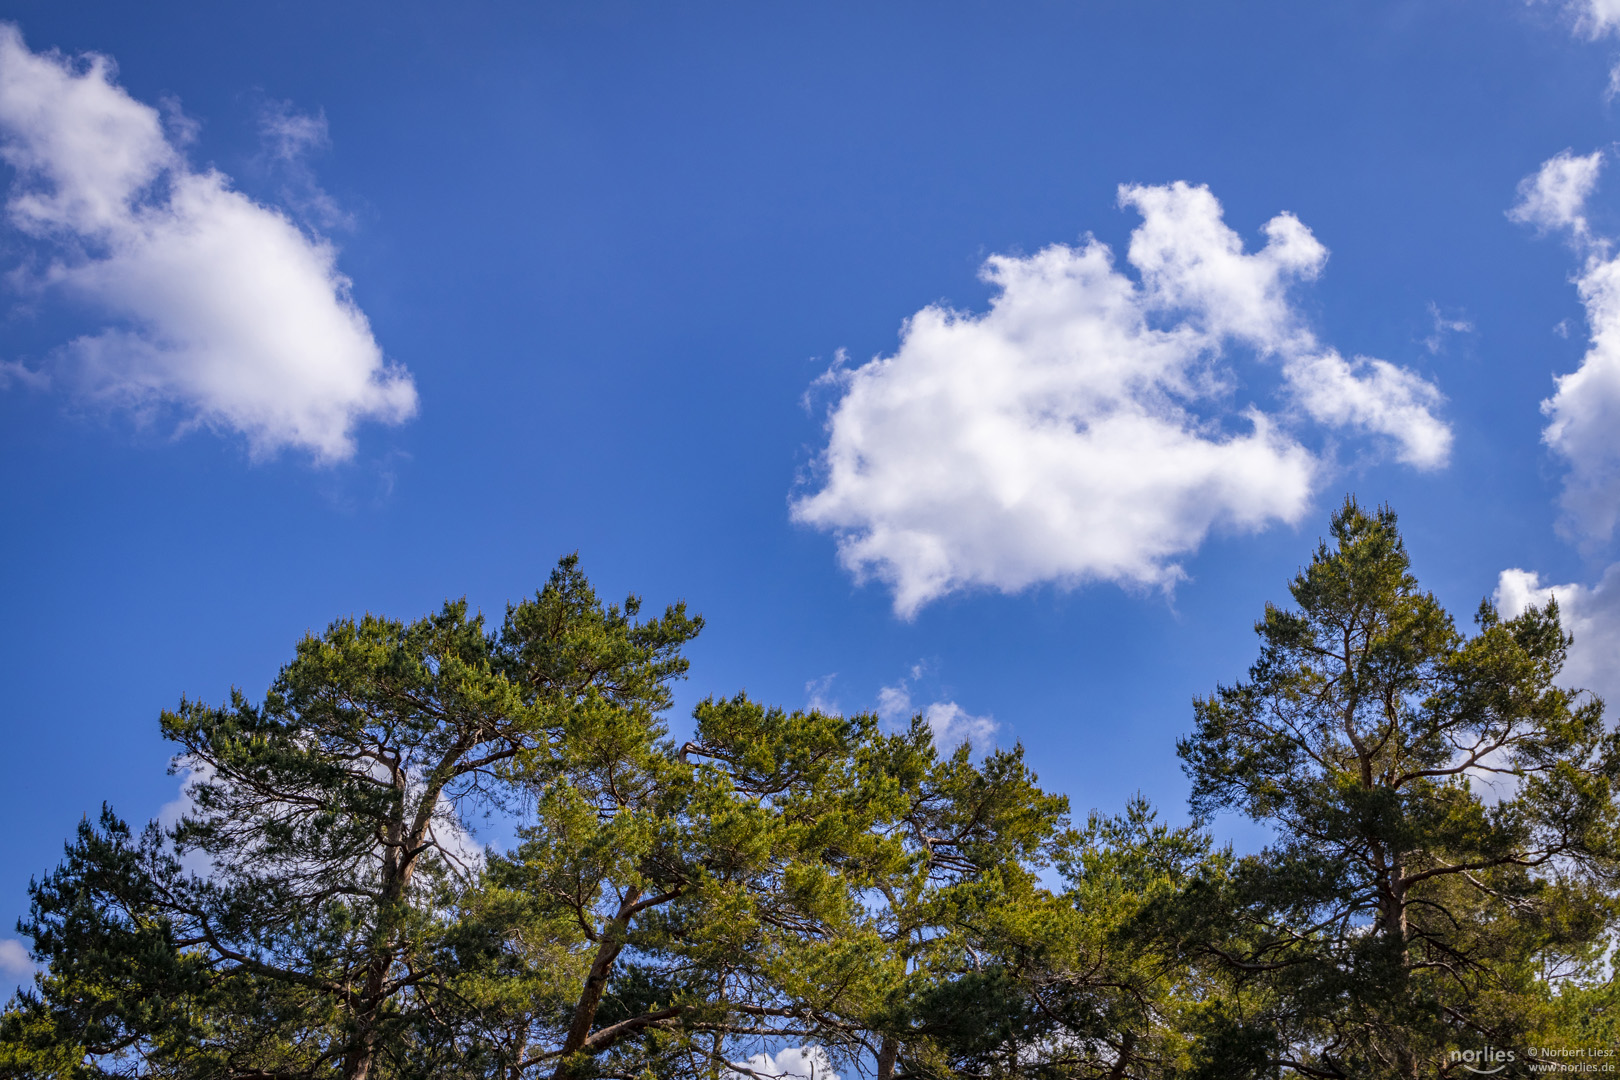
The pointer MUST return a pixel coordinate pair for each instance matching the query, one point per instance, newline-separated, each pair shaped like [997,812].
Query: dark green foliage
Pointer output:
[329,934]
[669,907]
[1079,984]
[768,880]
[1442,876]
[1445,818]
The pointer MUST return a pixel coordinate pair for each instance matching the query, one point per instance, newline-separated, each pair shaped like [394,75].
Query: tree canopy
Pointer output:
[1442,874]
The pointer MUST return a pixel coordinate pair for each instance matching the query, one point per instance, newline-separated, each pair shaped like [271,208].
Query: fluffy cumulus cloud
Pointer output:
[1085,427]
[1583,414]
[1591,614]
[1555,196]
[1583,425]
[212,303]
[794,1063]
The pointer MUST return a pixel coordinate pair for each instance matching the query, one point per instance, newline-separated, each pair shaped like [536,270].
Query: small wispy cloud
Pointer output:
[291,138]
[951,724]
[20,374]
[1593,19]
[1444,325]
[818,695]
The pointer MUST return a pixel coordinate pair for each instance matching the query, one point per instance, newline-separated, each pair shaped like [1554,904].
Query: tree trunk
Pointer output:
[357,1062]
[399,865]
[887,1052]
[607,951]
[1123,1062]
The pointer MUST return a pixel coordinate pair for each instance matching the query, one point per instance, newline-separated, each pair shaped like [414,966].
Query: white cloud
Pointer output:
[1583,415]
[1594,18]
[1555,197]
[1584,412]
[894,702]
[216,305]
[454,838]
[1191,262]
[818,693]
[192,771]
[1583,425]
[1376,396]
[1590,613]
[15,963]
[1083,428]
[291,134]
[290,137]
[951,724]
[797,1063]
[1444,325]
[15,371]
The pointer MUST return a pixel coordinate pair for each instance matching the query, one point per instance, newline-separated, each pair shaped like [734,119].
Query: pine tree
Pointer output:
[670,905]
[1444,815]
[333,819]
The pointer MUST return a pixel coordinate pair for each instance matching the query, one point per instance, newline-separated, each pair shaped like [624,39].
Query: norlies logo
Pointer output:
[1488,1060]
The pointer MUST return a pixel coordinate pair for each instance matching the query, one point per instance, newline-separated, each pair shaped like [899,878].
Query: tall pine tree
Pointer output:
[1445,824]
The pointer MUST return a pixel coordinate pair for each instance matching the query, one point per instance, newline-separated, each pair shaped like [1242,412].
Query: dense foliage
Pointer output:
[1446,823]
[1442,879]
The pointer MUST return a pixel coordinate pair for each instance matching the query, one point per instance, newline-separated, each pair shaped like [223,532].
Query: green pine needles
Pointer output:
[1442,878]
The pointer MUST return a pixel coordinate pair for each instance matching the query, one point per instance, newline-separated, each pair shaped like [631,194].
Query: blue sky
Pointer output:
[319,309]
